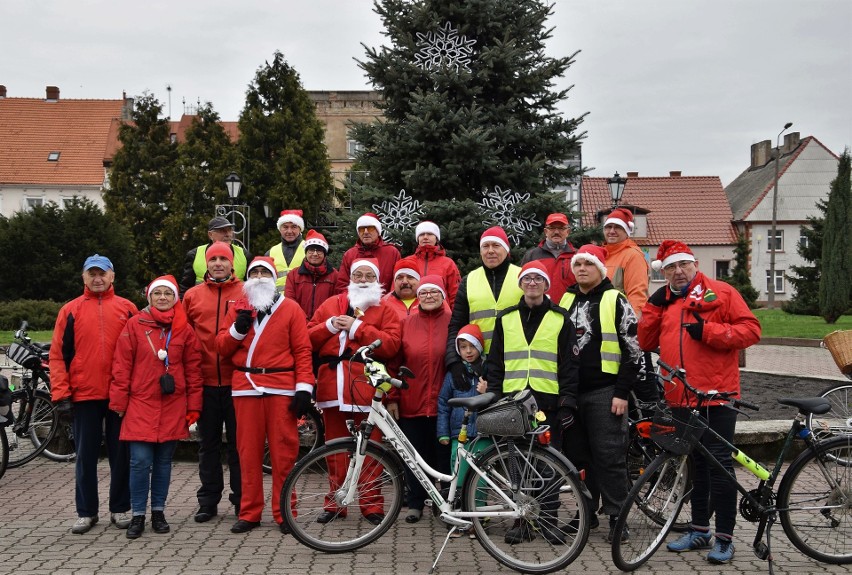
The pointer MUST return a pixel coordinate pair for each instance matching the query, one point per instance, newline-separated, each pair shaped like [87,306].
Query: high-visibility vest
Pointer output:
[610,350]
[199,264]
[534,363]
[276,252]
[481,303]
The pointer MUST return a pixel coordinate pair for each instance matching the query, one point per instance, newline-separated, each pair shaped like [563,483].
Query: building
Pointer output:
[806,169]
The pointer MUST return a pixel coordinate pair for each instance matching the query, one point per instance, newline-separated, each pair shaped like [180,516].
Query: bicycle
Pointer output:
[524,500]
[838,420]
[813,500]
[5,420]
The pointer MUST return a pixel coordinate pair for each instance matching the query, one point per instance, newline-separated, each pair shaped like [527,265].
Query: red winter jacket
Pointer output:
[397,305]
[561,275]
[387,254]
[83,342]
[434,261]
[729,327]
[310,286]
[207,306]
[135,388]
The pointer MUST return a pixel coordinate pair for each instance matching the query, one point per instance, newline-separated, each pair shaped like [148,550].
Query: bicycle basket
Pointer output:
[511,416]
[23,355]
[676,431]
[839,343]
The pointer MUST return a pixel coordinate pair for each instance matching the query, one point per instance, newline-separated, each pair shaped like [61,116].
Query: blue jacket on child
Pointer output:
[450,419]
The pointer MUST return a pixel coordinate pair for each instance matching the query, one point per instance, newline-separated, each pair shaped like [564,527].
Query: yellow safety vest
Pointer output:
[199,264]
[534,363]
[276,252]
[610,350]
[481,303]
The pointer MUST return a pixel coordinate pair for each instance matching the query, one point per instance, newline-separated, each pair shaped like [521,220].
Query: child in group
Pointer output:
[469,345]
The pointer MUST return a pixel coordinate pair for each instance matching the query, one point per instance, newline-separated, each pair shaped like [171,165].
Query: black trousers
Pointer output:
[217,410]
[94,423]
[422,433]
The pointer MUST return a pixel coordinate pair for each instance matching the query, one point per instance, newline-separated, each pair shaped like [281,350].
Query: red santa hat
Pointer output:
[263,261]
[495,234]
[371,263]
[293,217]
[471,333]
[219,249]
[314,238]
[672,251]
[594,254]
[179,319]
[369,219]
[539,267]
[432,282]
[621,217]
[407,265]
[427,227]
[163,281]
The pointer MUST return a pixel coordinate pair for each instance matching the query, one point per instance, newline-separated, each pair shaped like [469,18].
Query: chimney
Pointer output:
[674,174]
[52,93]
[2,91]
[761,153]
[791,142]
[632,174]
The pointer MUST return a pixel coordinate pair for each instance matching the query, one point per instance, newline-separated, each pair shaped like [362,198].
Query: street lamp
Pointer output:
[234,184]
[238,214]
[770,298]
[616,188]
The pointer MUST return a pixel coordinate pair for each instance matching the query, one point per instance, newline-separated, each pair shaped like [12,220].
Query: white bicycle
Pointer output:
[524,500]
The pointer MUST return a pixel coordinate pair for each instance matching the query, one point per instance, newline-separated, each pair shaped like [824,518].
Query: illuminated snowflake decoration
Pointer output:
[444,49]
[400,214]
[502,208]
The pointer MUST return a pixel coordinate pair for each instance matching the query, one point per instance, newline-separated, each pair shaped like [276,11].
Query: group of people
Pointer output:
[574,325]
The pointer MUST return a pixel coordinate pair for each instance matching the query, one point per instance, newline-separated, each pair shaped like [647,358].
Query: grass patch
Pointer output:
[7,337]
[776,323]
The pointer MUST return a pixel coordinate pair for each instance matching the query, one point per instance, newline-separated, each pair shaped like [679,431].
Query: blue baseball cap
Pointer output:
[97,261]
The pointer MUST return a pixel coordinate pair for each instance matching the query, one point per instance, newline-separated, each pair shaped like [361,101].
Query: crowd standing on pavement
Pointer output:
[252,344]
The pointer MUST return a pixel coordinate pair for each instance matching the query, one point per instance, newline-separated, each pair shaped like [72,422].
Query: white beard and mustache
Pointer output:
[366,295]
[260,293]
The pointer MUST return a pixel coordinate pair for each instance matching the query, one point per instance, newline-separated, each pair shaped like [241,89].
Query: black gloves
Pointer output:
[659,298]
[243,322]
[460,377]
[301,403]
[566,418]
[695,330]
[63,407]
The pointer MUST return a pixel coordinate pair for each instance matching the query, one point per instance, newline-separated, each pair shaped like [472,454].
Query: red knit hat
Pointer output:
[472,334]
[263,261]
[540,267]
[369,219]
[594,254]
[293,217]
[495,234]
[219,249]
[408,265]
[623,218]
[314,238]
[672,251]
[372,263]
[432,282]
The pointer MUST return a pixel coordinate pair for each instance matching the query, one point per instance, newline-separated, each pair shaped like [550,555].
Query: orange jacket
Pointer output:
[627,268]
[207,306]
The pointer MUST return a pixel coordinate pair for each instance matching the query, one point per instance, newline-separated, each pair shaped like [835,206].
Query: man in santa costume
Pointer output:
[290,252]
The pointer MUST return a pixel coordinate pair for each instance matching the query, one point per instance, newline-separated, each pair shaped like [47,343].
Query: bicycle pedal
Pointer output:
[761,551]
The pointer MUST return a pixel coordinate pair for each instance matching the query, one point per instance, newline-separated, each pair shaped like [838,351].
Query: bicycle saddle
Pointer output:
[806,405]
[474,403]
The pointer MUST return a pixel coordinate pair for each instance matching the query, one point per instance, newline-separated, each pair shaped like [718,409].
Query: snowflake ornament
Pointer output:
[400,214]
[503,208]
[444,49]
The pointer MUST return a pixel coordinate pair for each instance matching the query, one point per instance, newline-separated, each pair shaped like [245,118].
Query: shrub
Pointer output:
[39,314]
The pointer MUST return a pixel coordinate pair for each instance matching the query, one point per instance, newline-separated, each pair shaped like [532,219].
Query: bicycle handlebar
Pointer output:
[375,370]
[704,396]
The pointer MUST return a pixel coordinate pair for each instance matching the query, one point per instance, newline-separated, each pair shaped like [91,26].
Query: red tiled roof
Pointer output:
[180,127]
[694,210]
[32,128]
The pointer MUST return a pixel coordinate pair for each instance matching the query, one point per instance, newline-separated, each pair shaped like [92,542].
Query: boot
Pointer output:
[158,522]
[136,527]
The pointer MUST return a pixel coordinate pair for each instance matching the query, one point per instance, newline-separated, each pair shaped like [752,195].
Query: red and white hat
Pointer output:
[163,281]
[263,261]
[371,263]
[539,267]
[495,234]
[407,265]
[314,238]
[432,282]
[672,251]
[594,254]
[369,219]
[471,333]
[292,217]
[427,227]
[621,217]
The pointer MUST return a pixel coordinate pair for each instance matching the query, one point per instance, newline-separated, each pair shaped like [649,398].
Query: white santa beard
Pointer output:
[260,292]
[364,296]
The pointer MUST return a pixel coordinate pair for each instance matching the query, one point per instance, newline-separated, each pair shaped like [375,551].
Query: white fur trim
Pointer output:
[679,257]
[264,264]
[534,270]
[589,258]
[316,242]
[626,226]
[366,220]
[358,263]
[162,283]
[427,227]
[409,272]
[431,286]
[468,338]
[500,241]
[293,219]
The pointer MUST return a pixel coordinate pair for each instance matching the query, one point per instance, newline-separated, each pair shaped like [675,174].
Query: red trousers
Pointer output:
[262,419]
[370,499]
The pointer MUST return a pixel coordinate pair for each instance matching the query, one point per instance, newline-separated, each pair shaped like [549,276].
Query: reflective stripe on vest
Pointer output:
[610,350]
[277,254]
[534,363]
[199,264]
[481,303]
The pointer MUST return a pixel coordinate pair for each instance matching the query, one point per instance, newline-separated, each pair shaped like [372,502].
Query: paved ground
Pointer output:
[792,360]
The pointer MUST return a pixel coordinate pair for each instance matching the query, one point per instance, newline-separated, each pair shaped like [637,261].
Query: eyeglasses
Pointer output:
[259,272]
[366,229]
[678,266]
[168,294]
[358,276]
[527,280]
[429,293]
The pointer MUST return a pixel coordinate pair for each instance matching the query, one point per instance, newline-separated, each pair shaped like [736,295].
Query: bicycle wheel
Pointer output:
[553,527]
[61,447]
[311,436]
[651,509]
[816,515]
[311,487]
[43,422]
[837,421]
[4,453]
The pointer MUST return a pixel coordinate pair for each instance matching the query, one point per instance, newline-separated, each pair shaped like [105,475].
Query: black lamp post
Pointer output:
[234,185]
[770,296]
[237,213]
[616,188]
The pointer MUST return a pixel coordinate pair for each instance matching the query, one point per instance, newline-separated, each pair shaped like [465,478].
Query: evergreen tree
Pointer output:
[835,285]
[470,119]
[805,301]
[284,161]
[140,187]
[740,278]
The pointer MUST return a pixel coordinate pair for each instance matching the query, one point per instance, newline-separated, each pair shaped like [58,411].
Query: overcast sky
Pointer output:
[670,84]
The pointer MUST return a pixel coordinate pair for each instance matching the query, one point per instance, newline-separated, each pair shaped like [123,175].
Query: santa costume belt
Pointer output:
[263,369]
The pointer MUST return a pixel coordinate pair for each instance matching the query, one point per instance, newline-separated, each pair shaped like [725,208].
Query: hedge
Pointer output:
[40,314]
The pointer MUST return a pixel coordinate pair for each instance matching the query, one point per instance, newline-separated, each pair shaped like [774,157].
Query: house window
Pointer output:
[803,241]
[353,148]
[53,157]
[657,276]
[723,269]
[66,203]
[779,240]
[779,281]
[30,203]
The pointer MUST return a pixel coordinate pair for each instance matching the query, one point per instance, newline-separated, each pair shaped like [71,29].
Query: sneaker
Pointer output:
[690,541]
[625,532]
[723,552]
[120,520]
[83,524]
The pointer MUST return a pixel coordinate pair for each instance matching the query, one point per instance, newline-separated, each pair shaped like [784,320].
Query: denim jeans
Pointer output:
[150,467]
